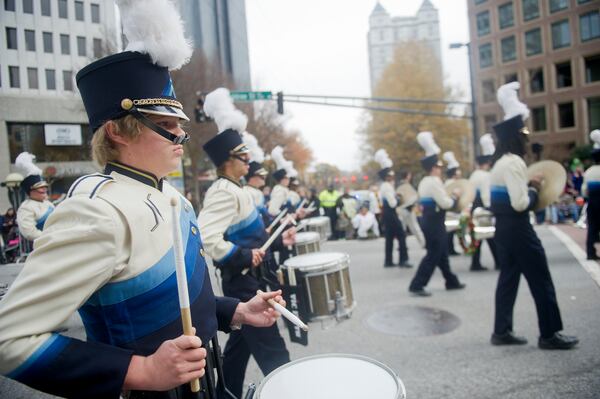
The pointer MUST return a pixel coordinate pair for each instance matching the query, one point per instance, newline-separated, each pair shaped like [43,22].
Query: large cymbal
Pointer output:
[467,193]
[408,193]
[553,184]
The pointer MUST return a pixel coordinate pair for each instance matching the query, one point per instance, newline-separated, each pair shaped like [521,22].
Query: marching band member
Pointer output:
[434,201]
[256,176]
[105,251]
[480,179]
[519,249]
[280,192]
[453,173]
[34,211]
[233,232]
[393,228]
[591,189]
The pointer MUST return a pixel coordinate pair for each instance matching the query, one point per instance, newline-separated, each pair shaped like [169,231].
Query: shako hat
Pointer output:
[515,112]
[487,149]
[385,163]
[426,141]
[25,162]
[257,157]
[452,164]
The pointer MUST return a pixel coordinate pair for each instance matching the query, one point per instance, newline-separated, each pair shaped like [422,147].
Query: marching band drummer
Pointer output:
[233,232]
[480,179]
[519,249]
[107,251]
[280,192]
[434,201]
[453,173]
[591,189]
[34,211]
[256,176]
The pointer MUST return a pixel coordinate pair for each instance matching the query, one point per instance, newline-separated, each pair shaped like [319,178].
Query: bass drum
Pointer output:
[332,376]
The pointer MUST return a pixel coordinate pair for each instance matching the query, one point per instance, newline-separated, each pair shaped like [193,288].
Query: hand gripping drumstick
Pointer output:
[275,234]
[277,219]
[182,288]
[285,313]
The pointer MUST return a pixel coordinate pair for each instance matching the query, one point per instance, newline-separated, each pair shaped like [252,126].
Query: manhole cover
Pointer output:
[413,321]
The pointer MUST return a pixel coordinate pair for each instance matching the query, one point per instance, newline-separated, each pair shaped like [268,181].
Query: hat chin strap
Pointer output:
[182,139]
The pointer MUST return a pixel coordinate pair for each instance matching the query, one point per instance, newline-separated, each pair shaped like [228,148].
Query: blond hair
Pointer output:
[104,149]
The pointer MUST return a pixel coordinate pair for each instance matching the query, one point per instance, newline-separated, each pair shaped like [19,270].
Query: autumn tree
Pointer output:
[412,74]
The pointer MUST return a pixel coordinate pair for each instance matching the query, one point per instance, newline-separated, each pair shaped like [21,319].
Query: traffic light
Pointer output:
[199,114]
[280,102]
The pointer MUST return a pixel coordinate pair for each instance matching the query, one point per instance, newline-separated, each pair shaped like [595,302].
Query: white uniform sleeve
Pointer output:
[220,208]
[515,178]
[278,199]
[74,256]
[387,194]
[485,191]
[584,184]
[440,196]
[27,223]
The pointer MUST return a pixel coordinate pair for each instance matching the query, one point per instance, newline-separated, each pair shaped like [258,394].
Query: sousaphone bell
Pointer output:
[553,182]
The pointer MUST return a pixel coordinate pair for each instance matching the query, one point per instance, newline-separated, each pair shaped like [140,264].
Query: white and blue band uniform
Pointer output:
[518,247]
[451,177]
[256,169]
[481,181]
[231,227]
[32,214]
[280,193]
[434,202]
[392,225]
[106,251]
[591,190]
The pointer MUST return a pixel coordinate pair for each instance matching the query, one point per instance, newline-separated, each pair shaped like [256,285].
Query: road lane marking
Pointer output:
[592,267]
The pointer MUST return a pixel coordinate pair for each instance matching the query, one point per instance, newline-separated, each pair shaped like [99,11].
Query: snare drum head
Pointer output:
[315,259]
[307,236]
[332,376]
[318,220]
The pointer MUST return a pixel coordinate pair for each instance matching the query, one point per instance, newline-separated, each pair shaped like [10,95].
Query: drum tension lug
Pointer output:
[340,312]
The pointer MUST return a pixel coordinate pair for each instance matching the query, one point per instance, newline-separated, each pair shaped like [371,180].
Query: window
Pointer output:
[81,46]
[13,76]
[62,9]
[79,10]
[68,80]
[29,40]
[509,49]
[65,44]
[485,55]
[592,69]
[594,112]
[95,8]
[9,5]
[561,34]
[488,90]
[483,23]
[558,5]
[45,5]
[564,77]
[489,121]
[50,79]
[47,39]
[32,78]
[536,80]
[533,42]
[11,38]
[583,1]
[97,48]
[506,15]
[479,1]
[511,77]
[566,115]
[589,26]
[538,119]
[28,6]
[531,10]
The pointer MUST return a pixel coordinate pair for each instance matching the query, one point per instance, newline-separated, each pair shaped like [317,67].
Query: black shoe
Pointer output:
[419,292]
[457,286]
[405,265]
[508,338]
[593,257]
[478,268]
[453,253]
[558,341]
[389,264]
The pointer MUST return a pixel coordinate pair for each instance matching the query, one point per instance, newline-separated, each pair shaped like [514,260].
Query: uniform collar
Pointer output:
[134,173]
[222,176]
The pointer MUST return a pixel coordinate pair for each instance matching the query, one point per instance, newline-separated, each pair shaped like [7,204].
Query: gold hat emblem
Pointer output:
[126,104]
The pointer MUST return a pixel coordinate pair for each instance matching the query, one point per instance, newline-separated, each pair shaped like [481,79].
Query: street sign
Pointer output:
[251,95]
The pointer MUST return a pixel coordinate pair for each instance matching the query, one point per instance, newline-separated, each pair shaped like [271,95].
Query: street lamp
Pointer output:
[473,101]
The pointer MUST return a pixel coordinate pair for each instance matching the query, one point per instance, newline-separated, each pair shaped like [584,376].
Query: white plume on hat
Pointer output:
[426,141]
[450,159]
[383,159]
[256,153]
[25,163]
[219,106]
[595,136]
[282,163]
[487,145]
[155,27]
[509,101]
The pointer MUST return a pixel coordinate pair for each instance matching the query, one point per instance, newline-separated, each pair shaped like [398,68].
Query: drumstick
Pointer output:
[277,219]
[301,204]
[275,234]
[285,313]
[182,287]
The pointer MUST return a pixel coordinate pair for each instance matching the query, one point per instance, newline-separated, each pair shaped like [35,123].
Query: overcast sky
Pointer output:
[320,47]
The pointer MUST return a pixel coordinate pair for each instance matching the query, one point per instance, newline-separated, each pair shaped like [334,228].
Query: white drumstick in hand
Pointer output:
[285,313]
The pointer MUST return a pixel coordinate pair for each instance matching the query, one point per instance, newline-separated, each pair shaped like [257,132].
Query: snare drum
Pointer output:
[325,277]
[332,376]
[308,242]
[321,225]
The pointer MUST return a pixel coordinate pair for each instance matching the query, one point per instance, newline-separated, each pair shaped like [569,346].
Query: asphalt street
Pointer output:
[459,363]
